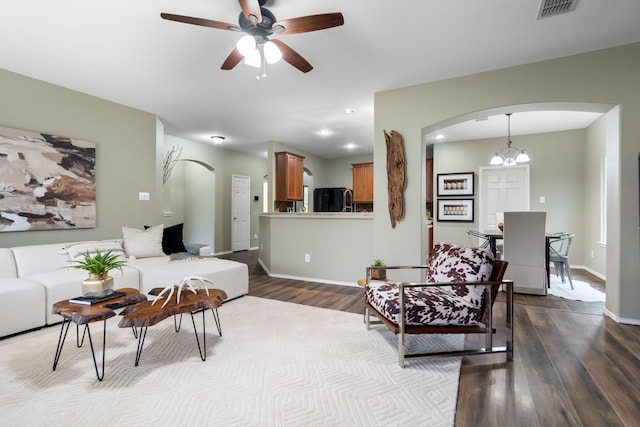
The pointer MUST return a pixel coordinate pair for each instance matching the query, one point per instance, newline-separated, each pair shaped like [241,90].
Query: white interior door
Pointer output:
[502,189]
[240,215]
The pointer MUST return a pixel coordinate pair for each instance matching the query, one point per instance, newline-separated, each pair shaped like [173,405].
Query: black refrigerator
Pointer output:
[329,199]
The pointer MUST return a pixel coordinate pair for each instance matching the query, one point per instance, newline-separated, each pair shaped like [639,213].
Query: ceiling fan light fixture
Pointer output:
[246,45]
[271,52]
[253,58]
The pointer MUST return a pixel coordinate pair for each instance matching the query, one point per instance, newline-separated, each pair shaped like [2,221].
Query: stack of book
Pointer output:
[88,300]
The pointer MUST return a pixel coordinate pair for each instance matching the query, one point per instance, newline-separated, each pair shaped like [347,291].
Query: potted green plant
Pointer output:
[98,265]
[377,270]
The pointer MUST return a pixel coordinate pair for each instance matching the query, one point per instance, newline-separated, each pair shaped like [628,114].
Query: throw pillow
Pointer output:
[77,251]
[451,263]
[143,243]
[172,239]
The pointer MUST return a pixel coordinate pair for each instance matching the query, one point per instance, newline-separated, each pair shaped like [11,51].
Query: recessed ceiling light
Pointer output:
[324,132]
[217,139]
[349,111]
[439,136]
[350,146]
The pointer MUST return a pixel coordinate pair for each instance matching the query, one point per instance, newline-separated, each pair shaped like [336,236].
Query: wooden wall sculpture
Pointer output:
[395,175]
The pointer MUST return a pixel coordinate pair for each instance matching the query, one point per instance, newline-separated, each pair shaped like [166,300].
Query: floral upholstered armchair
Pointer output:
[457,298]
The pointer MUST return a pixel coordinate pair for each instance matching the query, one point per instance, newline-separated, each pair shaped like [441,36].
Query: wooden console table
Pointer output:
[147,314]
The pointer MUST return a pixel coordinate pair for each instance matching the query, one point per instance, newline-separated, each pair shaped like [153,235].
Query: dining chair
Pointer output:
[483,241]
[525,250]
[559,256]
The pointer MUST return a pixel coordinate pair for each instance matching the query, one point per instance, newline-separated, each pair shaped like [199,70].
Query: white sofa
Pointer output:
[33,278]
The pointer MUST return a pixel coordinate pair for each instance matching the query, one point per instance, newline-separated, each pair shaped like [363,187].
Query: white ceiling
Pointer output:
[121,50]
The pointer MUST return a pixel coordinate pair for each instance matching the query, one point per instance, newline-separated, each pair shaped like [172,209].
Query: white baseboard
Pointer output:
[230,252]
[624,320]
[306,279]
[590,270]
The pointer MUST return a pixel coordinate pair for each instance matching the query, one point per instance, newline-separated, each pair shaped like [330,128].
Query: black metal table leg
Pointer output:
[202,350]
[176,325]
[63,336]
[61,339]
[216,318]
[141,336]
[79,341]
[104,348]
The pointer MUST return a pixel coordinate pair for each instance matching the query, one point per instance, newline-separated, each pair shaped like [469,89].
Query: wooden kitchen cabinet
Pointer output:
[362,182]
[289,177]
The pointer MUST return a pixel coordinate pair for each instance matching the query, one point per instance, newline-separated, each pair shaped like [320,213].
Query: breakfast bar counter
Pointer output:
[327,247]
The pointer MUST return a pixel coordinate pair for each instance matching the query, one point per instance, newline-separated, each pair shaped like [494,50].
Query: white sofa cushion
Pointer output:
[230,276]
[22,305]
[35,259]
[7,263]
[61,284]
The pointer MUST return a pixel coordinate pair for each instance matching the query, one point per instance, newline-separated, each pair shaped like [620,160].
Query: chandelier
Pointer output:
[509,155]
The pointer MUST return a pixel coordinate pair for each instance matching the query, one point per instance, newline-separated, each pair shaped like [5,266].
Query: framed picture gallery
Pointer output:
[455,184]
[460,210]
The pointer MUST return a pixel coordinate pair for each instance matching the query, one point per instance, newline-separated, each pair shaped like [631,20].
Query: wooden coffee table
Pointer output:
[147,314]
[81,314]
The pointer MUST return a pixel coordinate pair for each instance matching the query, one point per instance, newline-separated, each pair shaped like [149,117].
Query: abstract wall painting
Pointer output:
[47,182]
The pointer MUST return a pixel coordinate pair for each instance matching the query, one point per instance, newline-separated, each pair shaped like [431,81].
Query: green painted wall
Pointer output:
[126,158]
[226,163]
[552,175]
[606,77]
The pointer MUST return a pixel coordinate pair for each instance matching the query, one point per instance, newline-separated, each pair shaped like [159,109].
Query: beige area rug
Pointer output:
[581,291]
[277,364]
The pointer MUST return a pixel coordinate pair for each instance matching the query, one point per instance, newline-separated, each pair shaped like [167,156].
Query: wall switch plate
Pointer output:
[143,196]
[307,257]
[542,199]
[255,237]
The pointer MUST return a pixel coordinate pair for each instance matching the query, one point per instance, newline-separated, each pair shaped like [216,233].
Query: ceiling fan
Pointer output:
[259,24]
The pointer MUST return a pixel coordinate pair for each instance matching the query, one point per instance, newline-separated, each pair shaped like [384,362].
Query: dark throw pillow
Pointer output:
[172,239]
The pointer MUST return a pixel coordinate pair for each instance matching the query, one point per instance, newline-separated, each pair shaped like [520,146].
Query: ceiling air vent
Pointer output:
[555,7]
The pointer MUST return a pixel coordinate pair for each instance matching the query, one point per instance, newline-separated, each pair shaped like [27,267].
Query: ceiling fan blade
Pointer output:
[293,57]
[200,21]
[232,60]
[304,24]
[251,7]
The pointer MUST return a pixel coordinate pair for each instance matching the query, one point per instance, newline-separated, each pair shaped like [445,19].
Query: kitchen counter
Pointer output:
[327,247]
[319,215]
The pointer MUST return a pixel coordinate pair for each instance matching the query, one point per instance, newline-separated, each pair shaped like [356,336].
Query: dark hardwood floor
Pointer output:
[572,366]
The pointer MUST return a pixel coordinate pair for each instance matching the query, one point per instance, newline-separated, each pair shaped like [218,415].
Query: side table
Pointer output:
[81,314]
